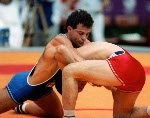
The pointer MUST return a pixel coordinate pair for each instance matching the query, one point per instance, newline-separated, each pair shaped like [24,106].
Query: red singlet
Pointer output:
[129,71]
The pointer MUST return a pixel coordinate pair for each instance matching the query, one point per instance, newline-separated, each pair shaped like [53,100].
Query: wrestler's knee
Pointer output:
[51,107]
[120,112]
[127,115]
[48,114]
[53,115]
[56,115]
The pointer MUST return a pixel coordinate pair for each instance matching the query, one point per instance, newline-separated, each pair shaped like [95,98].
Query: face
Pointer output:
[79,35]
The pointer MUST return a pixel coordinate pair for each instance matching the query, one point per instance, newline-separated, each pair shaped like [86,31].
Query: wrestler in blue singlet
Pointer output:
[20,90]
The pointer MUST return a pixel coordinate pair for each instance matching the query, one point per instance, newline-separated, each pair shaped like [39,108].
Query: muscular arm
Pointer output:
[65,57]
[61,40]
[47,64]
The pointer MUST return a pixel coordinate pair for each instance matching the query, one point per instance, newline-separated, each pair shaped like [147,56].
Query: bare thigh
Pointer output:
[6,102]
[51,105]
[94,71]
[123,103]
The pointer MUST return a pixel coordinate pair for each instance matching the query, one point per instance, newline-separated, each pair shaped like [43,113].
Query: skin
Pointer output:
[88,63]
[47,65]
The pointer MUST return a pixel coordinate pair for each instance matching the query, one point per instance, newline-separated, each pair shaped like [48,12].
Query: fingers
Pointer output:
[60,48]
[81,85]
[94,84]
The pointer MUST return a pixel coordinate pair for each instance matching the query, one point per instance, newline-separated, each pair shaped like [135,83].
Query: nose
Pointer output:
[84,37]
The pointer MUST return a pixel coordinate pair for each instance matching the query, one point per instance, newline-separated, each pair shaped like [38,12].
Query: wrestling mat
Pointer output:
[93,102]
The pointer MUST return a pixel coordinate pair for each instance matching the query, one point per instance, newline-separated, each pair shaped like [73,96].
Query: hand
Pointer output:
[94,84]
[64,56]
[81,85]
[111,88]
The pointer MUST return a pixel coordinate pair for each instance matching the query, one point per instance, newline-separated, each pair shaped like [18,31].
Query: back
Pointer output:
[98,50]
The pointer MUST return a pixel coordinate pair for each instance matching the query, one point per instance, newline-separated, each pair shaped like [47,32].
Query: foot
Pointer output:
[19,110]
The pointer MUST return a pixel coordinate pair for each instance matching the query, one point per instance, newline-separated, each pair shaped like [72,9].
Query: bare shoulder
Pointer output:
[60,39]
[101,47]
[106,44]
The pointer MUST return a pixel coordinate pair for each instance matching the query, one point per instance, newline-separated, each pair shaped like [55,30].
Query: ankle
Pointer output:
[21,108]
[24,107]
[69,113]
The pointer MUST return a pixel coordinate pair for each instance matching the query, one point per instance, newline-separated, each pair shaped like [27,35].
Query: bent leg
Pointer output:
[124,106]
[49,106]
[94,71]
[6,102]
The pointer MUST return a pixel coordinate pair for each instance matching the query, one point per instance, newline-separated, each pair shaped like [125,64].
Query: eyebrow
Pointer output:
[81,31]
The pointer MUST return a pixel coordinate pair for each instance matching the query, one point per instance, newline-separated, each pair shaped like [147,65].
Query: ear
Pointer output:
[69,28]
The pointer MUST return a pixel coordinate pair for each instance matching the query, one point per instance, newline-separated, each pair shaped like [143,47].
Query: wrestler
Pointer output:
[103,64]
[36,84]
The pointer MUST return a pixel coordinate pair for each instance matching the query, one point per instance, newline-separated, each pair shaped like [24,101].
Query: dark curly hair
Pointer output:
[79,16]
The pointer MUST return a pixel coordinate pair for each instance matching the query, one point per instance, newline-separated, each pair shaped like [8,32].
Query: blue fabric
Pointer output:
[21,91]
[47,8]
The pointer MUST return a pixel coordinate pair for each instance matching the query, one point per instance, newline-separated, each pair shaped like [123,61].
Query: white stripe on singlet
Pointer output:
[63,35]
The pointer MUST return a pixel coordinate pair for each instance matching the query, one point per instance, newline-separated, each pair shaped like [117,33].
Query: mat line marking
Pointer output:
[93,109]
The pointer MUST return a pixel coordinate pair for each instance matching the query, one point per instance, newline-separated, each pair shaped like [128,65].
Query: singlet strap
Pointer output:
[63,35]
[117,53]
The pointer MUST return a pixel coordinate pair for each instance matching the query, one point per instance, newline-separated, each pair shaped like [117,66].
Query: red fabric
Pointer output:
[129,71]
